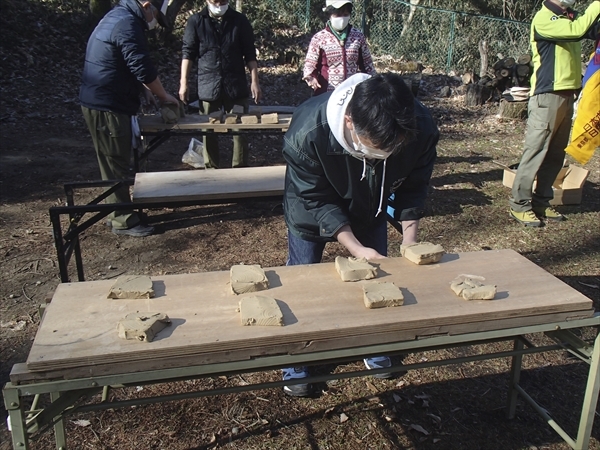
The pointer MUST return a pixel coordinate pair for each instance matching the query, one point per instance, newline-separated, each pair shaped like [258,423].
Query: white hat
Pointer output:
[337,4]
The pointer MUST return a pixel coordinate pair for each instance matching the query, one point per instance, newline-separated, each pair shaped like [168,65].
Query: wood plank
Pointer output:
[222,184]
[153,124]
[415,337]
[79,327]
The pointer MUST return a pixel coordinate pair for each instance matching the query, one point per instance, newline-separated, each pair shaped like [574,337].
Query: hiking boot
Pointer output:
[296,390]
[548,213]
[137,231]
[527,218]
[379,362]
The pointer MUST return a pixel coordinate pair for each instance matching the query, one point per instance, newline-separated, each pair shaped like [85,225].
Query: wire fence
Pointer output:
[441,39]
[444,40]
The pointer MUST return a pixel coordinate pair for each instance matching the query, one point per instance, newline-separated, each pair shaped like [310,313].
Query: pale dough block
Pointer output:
[248,278]
[215,117]
[168,115]
[231,118]
[423,253]
[172,112]
[132,286]
[142,326]
[269,118]
[381,295]
[471,287]
[237,109]
[260,310]
[485,292]
[249,119]
[354,269]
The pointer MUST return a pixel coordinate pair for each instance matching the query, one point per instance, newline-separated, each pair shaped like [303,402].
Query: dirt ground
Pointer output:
[44,144]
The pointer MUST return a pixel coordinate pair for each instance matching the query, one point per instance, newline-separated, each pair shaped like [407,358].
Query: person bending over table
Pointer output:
[117,70]
[222,40]
[347,153]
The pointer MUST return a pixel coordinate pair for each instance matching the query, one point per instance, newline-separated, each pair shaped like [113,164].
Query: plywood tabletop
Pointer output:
[244,182]
[79,327]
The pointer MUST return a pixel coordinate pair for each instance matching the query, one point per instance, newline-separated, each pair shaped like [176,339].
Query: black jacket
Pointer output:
[117,61]
[223,49]
[323,191]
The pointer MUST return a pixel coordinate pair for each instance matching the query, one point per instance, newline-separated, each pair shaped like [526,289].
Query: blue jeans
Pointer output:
[308,252]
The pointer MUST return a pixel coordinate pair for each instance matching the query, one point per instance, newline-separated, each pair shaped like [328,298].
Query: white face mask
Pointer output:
[339,23]
[217,10]
[152,24]
[371,153]
[567,3]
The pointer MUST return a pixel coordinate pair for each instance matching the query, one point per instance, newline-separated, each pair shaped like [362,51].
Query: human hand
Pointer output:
[256,92]
[183,93]
[367,253]
[169,99]
[312,83]
[149,97]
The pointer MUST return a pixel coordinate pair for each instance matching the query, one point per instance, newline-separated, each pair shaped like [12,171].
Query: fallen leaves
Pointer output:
[14,325]
[418,428]
[81,422]
[372,387]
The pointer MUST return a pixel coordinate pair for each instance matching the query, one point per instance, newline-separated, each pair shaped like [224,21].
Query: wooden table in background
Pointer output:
[155,132]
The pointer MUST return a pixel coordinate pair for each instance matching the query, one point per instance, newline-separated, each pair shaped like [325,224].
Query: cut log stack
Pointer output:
[507,73]
[510,72]
[513,104]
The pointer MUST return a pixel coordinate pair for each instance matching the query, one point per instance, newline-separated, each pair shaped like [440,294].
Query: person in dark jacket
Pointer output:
[366,148]
[222,40]
[117,70]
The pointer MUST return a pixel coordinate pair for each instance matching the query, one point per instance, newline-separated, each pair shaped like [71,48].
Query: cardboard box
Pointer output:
[567,187]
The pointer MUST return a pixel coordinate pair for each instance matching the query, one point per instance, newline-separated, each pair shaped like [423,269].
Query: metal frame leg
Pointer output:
[60,436]
[16,414]
[590,399]
[515,376]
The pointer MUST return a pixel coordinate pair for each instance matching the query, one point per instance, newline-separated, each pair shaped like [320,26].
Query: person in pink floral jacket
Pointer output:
[337,52]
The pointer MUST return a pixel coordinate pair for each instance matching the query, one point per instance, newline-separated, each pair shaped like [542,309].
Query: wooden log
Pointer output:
[498,65]
[504,73]
[485,81]
[524,59]
[477,94]
[522,70]
[509,62]
[512,110]
[483,54]
[467,78]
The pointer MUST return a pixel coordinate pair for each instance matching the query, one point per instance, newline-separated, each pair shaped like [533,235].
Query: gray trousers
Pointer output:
[111,134]
[548,128]
[211,143]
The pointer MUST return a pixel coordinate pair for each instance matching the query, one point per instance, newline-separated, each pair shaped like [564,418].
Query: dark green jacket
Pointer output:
[323,191]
